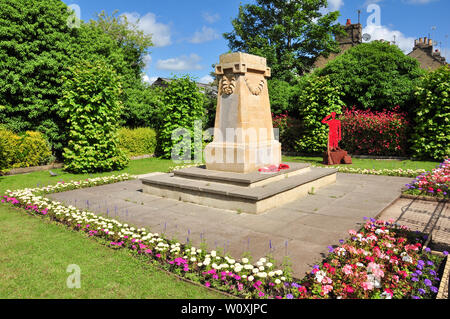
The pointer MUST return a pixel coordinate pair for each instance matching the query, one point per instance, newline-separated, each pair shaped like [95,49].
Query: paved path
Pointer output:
[301,230]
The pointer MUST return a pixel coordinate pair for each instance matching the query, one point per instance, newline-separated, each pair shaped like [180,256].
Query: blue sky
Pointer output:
[188,34]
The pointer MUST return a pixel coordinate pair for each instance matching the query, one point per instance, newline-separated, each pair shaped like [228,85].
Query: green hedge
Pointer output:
[25,150]
[431,130]
[138,141]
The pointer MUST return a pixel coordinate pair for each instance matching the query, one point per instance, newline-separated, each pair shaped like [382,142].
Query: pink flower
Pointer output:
[367,285]
[261,294]
[326,289]
[352,232]
[207,284]
[347,269]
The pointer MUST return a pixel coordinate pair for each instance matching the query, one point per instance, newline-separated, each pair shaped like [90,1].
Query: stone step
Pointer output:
[239,179]
[247,199]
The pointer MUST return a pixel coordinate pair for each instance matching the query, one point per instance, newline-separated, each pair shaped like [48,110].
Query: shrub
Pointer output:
[431,131]
[33,150]
[9,143]
[374,133]
[282,95]
[147,105]
[318,98]
[91,103]
[30,149]
[139,141]
[374,75]
[183,105]
[289,130]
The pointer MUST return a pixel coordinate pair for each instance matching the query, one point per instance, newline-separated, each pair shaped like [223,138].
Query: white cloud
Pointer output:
[405,43]
[334,5]
[211,18]
[206,79]
[181,63]
[148,79]
[147,60]
[160,32]
[418,1]
[206,34]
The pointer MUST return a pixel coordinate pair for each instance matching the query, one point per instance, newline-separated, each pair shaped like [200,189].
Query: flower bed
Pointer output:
[374,133]
[383,260]
[388,172]
[435,183]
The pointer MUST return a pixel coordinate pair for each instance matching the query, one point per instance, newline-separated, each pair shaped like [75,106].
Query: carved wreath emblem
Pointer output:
[228,84]
[255,90]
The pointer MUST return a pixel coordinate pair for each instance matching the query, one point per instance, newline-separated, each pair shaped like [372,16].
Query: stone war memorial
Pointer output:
[243,170]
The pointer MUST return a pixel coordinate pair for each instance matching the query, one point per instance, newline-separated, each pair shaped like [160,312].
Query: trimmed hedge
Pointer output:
[374,133]
[26,150]
[138,141]
[431,130]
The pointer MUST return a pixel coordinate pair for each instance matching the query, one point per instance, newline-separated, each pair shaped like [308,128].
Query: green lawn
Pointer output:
[34,254]
[369,163]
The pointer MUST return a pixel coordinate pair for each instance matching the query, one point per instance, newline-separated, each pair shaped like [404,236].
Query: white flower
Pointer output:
[250,278]
[269,265]
[255,270]
[262,260]
[277,281]
[213,253]
[320,275]
[283,278]
[261,274]
[245,260]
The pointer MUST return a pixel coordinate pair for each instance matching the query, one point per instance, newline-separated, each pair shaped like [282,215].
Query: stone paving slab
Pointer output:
[300,230]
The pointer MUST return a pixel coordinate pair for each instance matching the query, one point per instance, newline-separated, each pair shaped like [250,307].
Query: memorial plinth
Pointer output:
[243,142]
[243,133]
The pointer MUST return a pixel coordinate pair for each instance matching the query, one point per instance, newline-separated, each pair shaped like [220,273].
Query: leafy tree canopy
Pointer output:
[290,34]
[374,75]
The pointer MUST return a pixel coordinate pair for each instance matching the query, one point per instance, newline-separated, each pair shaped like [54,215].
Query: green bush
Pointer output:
[183,105]
[374,76]
[147,103]
[431,130]
[91,103]
[139,141]
[318,98]
[9,143]
[282,95]
[29,149]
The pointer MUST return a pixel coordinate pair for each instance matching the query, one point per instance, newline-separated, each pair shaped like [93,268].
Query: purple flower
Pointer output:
[427,250]
[415,297]
[445,253]
[414,279]
[289,296]
[430,263]
[427,282]
[432,273]
[433,289]
[295,285]
[419,272]
[421,262]
[419,267]
[421,291]
[341,241]
[330,249]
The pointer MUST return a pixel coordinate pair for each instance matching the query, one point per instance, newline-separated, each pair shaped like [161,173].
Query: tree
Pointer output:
[290,34]
[91,103]
[374,75]
[318,98]
[183,105]
[431,130]
[37,47]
